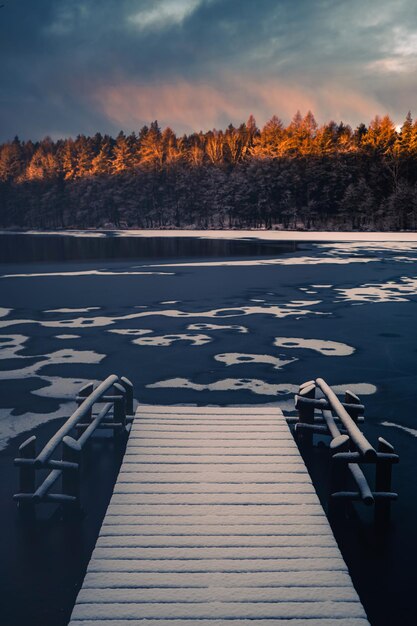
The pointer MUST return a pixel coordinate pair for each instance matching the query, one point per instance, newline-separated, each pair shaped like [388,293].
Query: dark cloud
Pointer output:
[78,66]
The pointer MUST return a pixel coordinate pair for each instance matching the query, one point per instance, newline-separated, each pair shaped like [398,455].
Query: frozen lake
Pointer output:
[232,327]
[212,321]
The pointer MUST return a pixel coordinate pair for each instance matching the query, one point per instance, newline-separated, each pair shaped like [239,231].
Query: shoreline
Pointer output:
[261,235]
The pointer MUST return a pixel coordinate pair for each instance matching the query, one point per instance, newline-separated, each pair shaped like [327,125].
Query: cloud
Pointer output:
[162,14]
[72,66]
[191,106]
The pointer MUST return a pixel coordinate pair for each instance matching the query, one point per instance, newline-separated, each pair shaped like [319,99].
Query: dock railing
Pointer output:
[350,449]
[113,401]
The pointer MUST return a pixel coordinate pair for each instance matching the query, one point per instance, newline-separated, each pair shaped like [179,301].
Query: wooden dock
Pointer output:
[214,519]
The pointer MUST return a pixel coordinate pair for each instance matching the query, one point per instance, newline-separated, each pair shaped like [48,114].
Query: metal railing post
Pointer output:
[306,414]
[338,472]
[125,382]
[71,451]
[120,400]
[45,454]
[27,475]
[120,407]
[83,393]
[383,478]
[352,398]
[358,439]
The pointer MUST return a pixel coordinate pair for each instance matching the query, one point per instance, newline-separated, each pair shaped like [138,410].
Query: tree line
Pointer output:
[302,175]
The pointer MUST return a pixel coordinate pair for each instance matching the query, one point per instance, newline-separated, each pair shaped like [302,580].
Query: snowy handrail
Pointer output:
[359,440]
[121,401]
[349,447]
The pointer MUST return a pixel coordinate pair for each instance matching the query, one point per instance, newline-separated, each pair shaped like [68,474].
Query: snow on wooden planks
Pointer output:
[214,520]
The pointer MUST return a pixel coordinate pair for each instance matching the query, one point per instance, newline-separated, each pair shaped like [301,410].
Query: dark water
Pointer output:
[205,322]
[50,248]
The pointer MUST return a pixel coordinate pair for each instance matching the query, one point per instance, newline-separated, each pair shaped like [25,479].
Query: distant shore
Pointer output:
[258,234]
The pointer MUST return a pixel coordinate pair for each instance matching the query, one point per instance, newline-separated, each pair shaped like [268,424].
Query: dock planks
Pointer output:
[214,520]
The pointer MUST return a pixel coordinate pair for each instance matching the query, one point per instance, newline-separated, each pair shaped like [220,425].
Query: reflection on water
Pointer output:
[25,248]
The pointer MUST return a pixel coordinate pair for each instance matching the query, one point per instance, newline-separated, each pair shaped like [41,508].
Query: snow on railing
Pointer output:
[349,447]
[116,397]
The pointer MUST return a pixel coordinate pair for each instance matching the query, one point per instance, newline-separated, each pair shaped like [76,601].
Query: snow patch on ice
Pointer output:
[360,389]
[85,310]
[254,385]
[296,260]
[292,308]
[229,384]
[62,388]
[325,347]
[208,327]
[258,234]
[135,332]
[168,340]
[86,273]
[54,358]
[11,345]
[60,233]
[13,425]
[67,336]
[238,358]
[410,431]
[390,291]
[4,312]
[377,246]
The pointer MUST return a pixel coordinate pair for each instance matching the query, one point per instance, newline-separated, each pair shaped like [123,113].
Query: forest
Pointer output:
[300,176]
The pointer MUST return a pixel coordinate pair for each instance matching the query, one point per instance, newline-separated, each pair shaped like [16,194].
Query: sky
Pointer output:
[85,66]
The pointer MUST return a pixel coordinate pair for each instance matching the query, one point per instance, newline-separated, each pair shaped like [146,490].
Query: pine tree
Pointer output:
[172,153]
[267,145]
[122,154]
[11,161]
[405,136]
[381,135]
[151,147]
[68,159]
[233,144]
[84,155]
[102,163]
[215,146]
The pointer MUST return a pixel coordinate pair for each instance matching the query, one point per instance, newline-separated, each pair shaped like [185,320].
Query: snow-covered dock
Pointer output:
[214,519]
